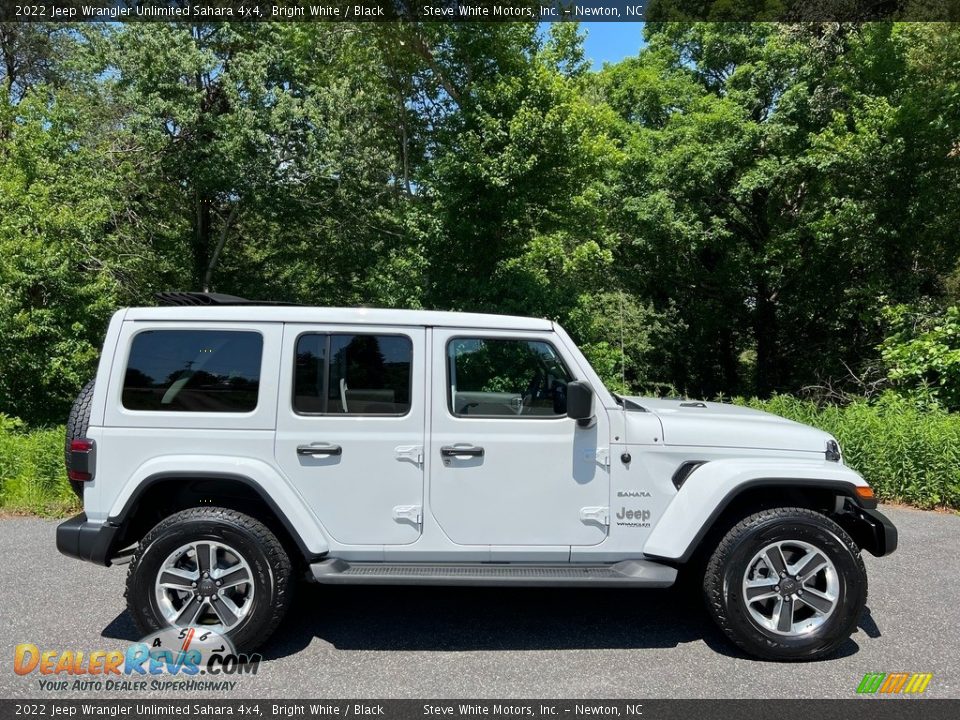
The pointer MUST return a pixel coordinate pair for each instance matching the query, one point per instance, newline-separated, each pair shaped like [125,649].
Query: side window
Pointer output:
[352,374]
[494,377]
[193,371]
[308,390]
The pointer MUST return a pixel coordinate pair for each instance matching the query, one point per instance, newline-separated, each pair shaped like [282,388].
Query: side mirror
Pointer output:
[580,402]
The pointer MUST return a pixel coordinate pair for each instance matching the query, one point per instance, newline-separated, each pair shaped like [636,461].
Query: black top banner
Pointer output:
[200,11]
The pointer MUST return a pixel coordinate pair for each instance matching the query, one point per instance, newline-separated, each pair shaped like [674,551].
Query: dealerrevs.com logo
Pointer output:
[171,659]
[899,683]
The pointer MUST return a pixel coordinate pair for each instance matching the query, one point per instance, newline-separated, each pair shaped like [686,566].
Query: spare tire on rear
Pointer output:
[77,424]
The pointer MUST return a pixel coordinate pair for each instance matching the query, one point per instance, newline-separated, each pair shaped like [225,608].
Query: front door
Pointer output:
[508,467]
[350,428]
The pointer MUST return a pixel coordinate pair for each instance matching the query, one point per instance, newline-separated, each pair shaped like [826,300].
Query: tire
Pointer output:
[258,605]
[77,423]
[744,565]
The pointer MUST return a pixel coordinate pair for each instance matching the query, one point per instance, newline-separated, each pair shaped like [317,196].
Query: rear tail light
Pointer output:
[82,460]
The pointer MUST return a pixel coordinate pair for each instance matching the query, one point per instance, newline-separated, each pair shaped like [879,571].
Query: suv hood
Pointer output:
[712,424]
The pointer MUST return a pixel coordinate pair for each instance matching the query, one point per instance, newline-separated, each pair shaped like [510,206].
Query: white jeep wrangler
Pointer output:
[227,448]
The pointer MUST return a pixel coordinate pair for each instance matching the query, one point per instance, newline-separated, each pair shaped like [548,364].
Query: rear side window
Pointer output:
[193,371]
[352,374]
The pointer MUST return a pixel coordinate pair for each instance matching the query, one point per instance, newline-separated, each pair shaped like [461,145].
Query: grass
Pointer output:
[907,453]
[32,477]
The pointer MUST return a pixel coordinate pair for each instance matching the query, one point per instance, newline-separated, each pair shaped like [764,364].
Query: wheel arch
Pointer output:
[713,499]
[163,493]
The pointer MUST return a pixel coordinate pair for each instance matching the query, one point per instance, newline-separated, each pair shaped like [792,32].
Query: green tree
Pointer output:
[272,163]
[729,211]
[774,190]
[922,353]
[57,279]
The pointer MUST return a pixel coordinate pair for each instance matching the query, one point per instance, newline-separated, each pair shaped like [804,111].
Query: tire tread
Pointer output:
[272,548]
[713,578]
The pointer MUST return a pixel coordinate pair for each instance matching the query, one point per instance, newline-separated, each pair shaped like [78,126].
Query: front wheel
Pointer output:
[210,568]
[786,584]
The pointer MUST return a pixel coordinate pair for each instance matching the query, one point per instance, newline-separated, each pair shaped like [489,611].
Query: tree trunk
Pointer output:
[215,257]
[729,365]
[201,239]
[9,78]
[425,53]
[765,334]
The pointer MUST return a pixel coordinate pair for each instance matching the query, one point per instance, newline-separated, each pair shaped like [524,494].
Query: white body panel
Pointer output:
[711,424]
[335,316]
[707,487]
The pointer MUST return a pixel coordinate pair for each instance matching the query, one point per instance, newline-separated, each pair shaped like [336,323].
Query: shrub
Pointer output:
[922,353]
[907,453]
[32,477]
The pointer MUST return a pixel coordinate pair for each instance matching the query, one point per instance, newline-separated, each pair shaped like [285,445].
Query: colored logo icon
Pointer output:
[894,683]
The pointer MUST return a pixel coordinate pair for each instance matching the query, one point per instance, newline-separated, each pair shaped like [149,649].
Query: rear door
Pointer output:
[508,467]
[350,428]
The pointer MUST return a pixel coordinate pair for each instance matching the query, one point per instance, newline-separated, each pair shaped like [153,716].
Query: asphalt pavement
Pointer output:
[419,642]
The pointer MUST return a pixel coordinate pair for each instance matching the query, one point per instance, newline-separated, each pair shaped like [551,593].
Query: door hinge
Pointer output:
[409,513]
[603,456]
[410,452]
[600,455]
[595,514]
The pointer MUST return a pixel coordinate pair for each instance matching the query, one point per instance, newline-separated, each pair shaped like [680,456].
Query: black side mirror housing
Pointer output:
[580,402]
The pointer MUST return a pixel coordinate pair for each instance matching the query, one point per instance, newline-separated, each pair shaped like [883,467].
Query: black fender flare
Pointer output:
[120,518]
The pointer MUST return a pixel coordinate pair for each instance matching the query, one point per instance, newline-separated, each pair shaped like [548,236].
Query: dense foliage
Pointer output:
[32,479]
[922,354]
[907,454]
[743,208]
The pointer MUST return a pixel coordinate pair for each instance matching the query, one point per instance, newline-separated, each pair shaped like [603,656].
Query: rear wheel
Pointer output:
[786,584]
[212,568]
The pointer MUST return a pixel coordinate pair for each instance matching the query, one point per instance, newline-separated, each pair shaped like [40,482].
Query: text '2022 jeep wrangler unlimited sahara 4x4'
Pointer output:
[228,447]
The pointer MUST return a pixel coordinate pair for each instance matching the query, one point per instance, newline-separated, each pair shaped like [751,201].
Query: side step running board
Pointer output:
[640,573]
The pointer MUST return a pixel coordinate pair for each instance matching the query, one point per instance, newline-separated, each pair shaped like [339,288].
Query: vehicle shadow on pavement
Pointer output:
[471,619]
[486,618]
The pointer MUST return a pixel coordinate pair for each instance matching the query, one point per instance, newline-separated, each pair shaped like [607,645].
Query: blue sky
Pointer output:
[612,41]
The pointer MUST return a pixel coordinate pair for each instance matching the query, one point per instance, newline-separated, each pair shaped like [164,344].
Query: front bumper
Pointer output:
[79,538]
[872,530]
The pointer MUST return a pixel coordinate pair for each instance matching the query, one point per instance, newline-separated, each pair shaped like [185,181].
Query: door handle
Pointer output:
[319,449]
[455,451]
